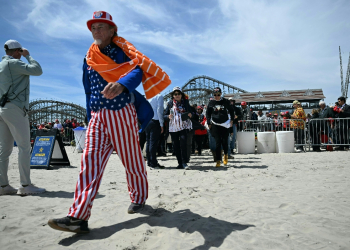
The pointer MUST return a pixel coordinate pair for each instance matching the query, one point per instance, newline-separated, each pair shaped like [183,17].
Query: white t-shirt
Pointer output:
[58,126]
[262,118]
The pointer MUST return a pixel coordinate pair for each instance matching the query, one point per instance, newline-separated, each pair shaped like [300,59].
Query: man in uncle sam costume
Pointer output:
[113,68]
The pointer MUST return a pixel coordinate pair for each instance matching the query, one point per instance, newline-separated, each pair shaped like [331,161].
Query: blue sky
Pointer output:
[254,45]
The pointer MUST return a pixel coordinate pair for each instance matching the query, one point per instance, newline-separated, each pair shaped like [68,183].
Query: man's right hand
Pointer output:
[171,117]
[24,53]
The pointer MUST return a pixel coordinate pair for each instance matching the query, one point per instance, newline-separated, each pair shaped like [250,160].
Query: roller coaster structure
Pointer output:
[50,110]
[200,89]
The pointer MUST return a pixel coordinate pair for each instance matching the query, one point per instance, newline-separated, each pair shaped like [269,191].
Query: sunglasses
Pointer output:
[217,94]
[175,94]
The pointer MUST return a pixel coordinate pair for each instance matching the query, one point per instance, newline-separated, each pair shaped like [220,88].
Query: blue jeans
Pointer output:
[152,137]
[233,139]
[212,142]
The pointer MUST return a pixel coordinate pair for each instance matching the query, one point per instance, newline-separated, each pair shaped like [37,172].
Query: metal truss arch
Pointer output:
[50,110]
[200,88]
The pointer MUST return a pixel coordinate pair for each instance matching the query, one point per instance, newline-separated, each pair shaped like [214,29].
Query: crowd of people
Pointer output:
[213,127]
[67,124]
[65,129]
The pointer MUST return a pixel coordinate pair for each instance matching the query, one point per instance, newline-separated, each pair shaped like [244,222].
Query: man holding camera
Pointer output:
[14,122]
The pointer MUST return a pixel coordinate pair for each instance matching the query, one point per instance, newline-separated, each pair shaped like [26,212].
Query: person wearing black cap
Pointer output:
[14,122]
[219,123]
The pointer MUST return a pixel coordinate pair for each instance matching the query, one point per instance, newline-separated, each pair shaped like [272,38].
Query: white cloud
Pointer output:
[48,88]
[275,43]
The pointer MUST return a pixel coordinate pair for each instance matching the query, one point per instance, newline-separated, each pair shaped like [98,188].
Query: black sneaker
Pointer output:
[69,224]
[135,208]
[160,166]
[179,167]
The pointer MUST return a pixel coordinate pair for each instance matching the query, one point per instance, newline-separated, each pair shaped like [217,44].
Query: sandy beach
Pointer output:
[259,201]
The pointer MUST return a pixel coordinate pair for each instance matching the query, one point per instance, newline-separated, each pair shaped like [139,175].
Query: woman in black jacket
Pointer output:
[219,123]
[178,113]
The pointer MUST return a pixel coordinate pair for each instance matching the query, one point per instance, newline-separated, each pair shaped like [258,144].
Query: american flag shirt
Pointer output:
[97,101]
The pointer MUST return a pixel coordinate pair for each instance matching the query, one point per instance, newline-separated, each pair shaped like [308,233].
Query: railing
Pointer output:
[67,135]
[328,132]
[298,126]
[307,134]
[310,134]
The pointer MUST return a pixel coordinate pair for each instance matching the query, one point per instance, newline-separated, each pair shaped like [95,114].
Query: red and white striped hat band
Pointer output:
[101,16]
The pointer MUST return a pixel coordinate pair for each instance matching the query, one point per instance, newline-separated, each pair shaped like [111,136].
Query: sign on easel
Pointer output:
[48,149]
[42,151]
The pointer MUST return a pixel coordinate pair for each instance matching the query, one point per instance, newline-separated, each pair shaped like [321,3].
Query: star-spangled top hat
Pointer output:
[101,16]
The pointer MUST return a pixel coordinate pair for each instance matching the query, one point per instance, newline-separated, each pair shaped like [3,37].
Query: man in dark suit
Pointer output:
[344,124]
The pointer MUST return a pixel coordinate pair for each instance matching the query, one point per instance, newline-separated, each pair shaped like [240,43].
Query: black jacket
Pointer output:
[254,116]
[346,113]
[195,120]
[169,106]
[327,113]
[218,111]
[238,113]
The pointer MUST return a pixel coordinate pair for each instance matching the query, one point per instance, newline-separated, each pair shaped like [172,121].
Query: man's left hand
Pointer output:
[161,130]
[190,115]
[112,90]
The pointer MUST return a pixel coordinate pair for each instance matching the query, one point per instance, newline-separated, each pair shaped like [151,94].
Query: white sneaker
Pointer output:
[7,190]
[30,189]
[186,167]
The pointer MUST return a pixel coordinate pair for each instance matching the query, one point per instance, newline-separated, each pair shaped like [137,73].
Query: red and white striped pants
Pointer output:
[110,130]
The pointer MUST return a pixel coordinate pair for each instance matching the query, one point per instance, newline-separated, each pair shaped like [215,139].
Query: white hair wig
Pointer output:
[321,103]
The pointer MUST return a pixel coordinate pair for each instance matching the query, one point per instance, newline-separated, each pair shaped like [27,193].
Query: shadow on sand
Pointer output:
[214,231]
[61,194]
[252,167]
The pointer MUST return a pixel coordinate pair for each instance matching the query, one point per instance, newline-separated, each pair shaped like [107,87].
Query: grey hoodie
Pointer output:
[15,73]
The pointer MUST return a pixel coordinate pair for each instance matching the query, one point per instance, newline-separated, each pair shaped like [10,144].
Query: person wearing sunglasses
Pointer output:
[178,114]
[219,123]
[14,122]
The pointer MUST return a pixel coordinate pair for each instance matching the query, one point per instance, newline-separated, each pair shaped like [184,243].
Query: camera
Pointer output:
[3,100]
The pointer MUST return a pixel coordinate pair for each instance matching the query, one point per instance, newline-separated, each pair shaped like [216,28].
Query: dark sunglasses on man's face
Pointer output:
[175,94]
[20,50]
[217,94]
